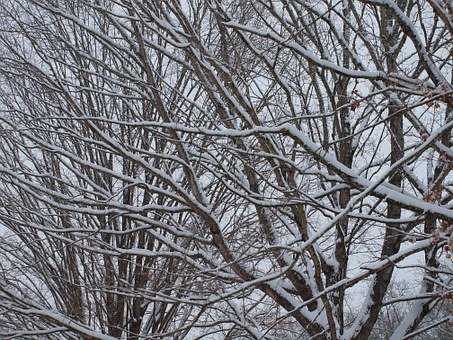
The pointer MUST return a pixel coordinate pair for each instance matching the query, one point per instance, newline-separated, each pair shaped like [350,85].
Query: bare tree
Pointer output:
[225,169]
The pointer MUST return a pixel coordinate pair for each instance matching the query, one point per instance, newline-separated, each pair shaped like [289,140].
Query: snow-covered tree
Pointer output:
[260,169]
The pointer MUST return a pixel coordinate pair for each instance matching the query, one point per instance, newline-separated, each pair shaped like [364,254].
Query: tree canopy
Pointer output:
[226,169]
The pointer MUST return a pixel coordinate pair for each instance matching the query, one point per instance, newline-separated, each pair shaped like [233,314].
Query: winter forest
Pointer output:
[226,169]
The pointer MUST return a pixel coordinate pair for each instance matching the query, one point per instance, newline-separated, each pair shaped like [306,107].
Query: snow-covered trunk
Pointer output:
[345,155]
[392,235]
